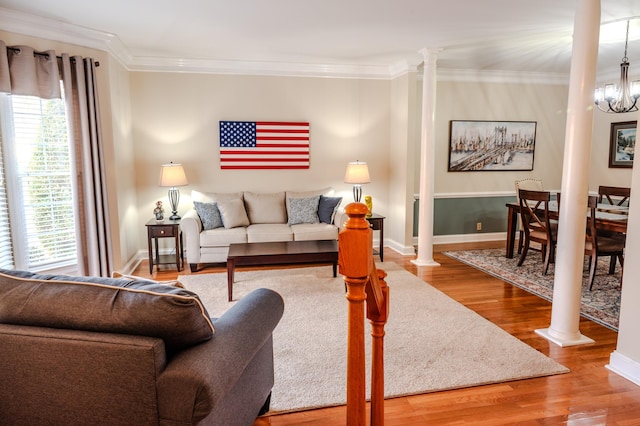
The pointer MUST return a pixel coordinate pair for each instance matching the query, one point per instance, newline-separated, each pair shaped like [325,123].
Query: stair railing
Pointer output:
[365,284]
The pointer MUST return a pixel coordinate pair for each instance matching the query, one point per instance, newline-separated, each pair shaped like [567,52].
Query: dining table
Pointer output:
[608,216]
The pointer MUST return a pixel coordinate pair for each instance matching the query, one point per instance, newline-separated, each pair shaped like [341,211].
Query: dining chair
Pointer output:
[534,215]
[616,196]
[530,184]
[613,195]
[597,245]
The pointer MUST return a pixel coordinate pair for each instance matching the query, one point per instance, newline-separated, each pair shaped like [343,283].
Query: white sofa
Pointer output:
[220,219]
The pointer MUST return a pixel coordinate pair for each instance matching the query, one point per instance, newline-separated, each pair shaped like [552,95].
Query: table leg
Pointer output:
[382,240]
[512,221]
[149,238]
[177,243]
[231,266]
[335,268]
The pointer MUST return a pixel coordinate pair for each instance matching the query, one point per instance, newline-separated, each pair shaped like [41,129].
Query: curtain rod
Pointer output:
[17,49]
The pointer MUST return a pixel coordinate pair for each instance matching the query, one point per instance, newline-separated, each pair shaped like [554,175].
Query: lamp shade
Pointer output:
[357,173]
[172,175]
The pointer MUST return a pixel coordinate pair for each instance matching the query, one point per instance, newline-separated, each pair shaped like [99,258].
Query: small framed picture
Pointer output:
[622,144]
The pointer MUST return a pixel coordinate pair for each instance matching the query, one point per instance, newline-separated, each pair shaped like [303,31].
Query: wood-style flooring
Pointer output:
[588,395]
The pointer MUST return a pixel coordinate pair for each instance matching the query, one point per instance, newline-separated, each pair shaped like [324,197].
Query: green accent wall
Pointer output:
[454,216]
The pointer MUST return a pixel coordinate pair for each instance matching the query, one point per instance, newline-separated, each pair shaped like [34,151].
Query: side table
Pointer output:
[377,224]
[165,229]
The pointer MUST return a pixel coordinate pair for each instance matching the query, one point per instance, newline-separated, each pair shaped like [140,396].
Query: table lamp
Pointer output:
[357,174]
[172,175]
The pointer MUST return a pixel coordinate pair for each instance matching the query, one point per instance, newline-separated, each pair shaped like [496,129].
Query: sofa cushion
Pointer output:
[233,213]
[269,232]
[223,237]
[303,210]
[327,208]
[265,207]
[209,215]
[314,231]
[137,307]
[212,197]
[305,194]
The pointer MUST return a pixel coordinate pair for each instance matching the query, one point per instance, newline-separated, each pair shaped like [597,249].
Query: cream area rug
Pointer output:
[432,342]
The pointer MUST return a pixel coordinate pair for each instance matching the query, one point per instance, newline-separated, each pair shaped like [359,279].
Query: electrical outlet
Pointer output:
[479,226]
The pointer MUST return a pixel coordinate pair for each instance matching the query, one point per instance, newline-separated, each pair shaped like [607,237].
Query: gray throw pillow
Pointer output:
[303,210]
[209,215]
[327,208]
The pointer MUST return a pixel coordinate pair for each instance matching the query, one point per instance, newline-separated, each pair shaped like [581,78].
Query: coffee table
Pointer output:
[284,252]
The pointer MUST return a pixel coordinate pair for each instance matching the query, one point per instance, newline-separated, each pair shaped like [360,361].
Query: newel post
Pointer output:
[354,259]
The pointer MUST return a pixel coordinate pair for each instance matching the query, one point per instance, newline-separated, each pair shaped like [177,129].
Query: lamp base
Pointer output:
[357,192]
[174,216]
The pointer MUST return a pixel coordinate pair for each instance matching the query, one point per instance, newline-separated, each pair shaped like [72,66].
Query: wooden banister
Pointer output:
[364,284]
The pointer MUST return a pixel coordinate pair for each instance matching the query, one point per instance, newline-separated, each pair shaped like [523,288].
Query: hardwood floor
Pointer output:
[588,395]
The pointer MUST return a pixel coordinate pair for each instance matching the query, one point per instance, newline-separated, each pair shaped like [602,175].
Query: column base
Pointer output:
[421,262]
[572,341]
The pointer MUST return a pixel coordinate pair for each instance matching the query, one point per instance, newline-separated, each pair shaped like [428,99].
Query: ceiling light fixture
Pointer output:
[621,98]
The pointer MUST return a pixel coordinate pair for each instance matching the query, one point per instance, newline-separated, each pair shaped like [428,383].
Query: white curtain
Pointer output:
[24,71]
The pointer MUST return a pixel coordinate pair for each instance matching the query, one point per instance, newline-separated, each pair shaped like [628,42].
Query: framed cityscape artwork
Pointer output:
[491,145]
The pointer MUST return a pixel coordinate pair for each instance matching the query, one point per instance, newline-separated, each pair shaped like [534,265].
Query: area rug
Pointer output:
[601,305]
[432,342]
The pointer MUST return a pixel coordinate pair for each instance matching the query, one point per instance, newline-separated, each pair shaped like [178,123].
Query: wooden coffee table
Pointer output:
[260,254]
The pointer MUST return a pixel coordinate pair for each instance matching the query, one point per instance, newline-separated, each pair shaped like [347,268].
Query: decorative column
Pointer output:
[427,160]
[567,283]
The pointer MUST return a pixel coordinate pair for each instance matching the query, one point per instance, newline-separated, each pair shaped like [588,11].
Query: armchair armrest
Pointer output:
[191,227]
[198,377]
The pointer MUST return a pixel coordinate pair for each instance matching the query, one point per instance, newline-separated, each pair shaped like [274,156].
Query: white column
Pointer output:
[567,283]
[427,160]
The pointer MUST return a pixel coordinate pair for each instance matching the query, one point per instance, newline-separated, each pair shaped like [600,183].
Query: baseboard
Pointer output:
[625,367]
[466,238]
[397,247]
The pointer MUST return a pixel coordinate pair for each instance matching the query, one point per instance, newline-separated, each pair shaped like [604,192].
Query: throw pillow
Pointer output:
[303,210]
[209,215]
[327,208]
[233,213]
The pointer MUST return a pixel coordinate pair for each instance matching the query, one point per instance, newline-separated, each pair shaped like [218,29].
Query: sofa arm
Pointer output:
[191,227]
[199,377]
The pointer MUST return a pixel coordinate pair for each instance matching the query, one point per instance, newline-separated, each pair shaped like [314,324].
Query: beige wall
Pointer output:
[545,104]
[176,118]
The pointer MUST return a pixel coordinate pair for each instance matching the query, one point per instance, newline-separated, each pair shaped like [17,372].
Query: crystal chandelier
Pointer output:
[624,96]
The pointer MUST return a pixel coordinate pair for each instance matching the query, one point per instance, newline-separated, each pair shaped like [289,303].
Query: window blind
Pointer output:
[42,170]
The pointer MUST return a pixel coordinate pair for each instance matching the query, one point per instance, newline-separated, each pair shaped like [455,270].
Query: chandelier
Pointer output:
[622,97]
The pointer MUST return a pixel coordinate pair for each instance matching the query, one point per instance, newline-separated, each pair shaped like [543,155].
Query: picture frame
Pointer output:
[477,145]
[622,144]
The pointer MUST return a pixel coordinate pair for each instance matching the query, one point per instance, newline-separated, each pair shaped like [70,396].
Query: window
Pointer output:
[37,221]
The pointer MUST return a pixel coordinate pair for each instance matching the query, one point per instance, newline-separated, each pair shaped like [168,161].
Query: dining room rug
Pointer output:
[432,342]
[601,305]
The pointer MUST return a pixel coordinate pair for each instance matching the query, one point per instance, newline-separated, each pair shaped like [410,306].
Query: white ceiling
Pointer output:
[530,36]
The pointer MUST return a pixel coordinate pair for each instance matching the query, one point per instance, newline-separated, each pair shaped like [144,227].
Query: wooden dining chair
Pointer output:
[534,214]
[530,184]
[597,245]
[614,195]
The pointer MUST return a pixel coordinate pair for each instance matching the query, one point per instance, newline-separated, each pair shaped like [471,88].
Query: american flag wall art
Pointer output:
[264,145]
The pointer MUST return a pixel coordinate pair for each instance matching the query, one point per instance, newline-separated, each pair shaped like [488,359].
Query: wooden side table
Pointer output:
[165,229]
[377,224]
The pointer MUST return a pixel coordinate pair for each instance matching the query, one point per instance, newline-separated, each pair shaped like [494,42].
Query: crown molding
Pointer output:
[498,76]
[51,29]
[263,68]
